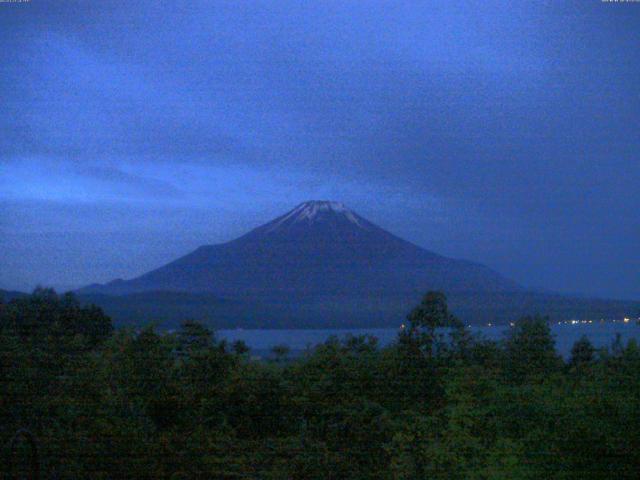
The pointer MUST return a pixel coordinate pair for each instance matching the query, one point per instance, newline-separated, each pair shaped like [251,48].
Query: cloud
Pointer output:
[43,178]
[116,177]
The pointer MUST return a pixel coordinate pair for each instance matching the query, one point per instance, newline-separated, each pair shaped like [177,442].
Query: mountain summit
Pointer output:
[317,211]
[318,217]
[320,249]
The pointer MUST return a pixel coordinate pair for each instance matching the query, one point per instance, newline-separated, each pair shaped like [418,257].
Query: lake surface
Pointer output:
[601,334]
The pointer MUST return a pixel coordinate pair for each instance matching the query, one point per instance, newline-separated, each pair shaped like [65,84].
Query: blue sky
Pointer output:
[132,132]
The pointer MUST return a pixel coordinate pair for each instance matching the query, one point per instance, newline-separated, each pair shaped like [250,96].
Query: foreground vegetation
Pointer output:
[437,404]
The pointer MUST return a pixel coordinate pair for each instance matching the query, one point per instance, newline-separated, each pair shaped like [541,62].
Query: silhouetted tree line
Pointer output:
[439,403]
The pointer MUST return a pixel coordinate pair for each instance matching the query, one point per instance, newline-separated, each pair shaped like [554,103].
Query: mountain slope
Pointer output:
[318,249]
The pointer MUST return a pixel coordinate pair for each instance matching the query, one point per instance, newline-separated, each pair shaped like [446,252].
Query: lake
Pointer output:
[601,334]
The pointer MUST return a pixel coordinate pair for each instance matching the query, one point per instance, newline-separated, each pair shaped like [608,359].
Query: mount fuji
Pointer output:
[318,248]
[320,264]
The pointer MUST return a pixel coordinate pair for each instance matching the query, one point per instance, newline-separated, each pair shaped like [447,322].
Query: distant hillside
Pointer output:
[8,295]
[167,309]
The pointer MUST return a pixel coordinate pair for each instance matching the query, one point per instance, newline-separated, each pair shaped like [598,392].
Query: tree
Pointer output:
[360,343]
[530,348]
[240,347]
[582,353]
[45,316]
[280,351]
[617,347]
[432,313]
[194,336]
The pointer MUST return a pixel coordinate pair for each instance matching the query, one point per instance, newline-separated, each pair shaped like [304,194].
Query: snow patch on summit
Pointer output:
[309,211]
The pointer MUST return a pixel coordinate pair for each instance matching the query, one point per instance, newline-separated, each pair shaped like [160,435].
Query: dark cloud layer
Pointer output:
[507,134]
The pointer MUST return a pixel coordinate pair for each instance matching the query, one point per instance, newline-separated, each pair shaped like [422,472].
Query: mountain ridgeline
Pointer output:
[320,264]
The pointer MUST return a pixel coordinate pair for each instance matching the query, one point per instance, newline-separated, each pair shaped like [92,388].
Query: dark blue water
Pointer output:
[566,334]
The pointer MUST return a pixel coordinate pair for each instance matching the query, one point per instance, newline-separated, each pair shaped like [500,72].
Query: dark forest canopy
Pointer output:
[137,404]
